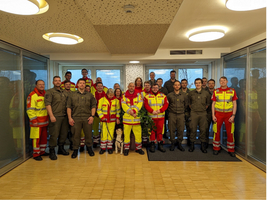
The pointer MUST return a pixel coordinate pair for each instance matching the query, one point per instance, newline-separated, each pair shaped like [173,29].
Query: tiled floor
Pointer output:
[133,177]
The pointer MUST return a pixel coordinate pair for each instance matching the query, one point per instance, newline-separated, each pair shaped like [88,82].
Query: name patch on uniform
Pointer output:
[39,100]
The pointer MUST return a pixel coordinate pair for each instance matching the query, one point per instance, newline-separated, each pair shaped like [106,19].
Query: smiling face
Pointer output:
[40,85]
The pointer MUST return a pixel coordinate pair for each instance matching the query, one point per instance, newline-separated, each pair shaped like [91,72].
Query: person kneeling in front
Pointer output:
[81,107]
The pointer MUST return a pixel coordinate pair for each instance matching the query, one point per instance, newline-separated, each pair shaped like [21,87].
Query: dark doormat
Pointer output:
[197,155]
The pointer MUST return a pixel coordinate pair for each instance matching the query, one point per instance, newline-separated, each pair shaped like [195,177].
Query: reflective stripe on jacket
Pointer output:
[154,102]
[224,102]
[109,109]
[127,107]
[36,109]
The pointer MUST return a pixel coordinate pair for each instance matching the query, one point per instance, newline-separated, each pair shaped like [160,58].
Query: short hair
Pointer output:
[81,79]
[38,81]
[176,81]
[98,83]
[68,72]
[56,77]
[116,91]
[212,80]
[147,82]
[110,91]
[223,77]
[152,72]
[136,81]
[198,79]
[204,78]
[66,82]
[160,79]
[84,69]
[155,84]
[173,71]
[184,80]
[116,84]
[88,86]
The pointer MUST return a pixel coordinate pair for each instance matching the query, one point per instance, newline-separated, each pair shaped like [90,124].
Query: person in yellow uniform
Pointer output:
[93,87]
[131,103]
[224,110]
[38,119]
[108,111]
[67,78]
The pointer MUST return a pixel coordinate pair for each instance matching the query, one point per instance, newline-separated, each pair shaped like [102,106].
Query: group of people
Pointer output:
[74,111]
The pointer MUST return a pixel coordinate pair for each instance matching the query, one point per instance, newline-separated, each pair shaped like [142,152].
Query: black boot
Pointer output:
[74,154]
[192,147]
[126,152]
[110,151]
[152,147]
[140,151]
[81,149]
[71,146]
[172,146]
[180,147]
[160,147]
[232,154]
[38,158]
[62,151]
[52,154]
[203,147]
[95,145]
[102,151]
[215,152]
[90,151]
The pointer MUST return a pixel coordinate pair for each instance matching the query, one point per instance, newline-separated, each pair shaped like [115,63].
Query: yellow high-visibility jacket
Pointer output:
[93,89]
[109,109]
[224,99]
[154,102]
[253,100]
[36,109]
[128,103]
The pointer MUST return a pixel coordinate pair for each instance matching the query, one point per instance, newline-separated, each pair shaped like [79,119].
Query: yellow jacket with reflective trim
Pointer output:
[93,89]
[154,102]
[109,109]
[127,106]
[253,100]
[224,102]
[36,109]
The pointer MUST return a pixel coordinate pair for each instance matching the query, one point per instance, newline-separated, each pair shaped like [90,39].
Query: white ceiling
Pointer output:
[153,27]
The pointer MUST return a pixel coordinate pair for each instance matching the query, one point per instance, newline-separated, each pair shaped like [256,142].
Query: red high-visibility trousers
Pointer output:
[230,127]
[159,123]
[39,144]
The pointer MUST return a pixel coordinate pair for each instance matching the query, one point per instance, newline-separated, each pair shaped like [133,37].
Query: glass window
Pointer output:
[190,75]
[11,118]
[109,77]
[161,73]
[76,74]
[235,71]
[257,105]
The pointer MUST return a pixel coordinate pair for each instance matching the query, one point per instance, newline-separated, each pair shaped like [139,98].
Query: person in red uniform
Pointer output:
[67,78]
[224,110]
[38,120]
[88,81]
[156,103]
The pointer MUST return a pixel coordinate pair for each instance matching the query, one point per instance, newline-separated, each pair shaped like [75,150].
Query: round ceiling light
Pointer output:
[134,61]
[204,34]
[24,7]
[245,5]
[63,38]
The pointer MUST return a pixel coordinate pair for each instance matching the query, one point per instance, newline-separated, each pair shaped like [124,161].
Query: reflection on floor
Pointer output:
[133,177]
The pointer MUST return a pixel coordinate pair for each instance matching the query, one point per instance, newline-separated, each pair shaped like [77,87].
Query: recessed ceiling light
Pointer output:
[134,61]
[24,7]
[245,5]
[63,38]
[204,34]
